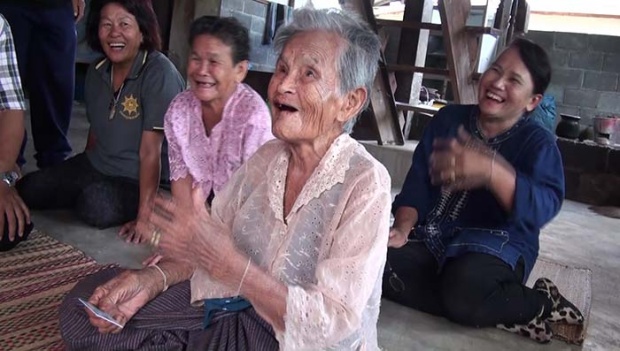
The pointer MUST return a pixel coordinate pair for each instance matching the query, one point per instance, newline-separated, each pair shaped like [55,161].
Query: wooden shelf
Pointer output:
[409,25]
[401,106]
[484,30]
[435,27]
[416,69]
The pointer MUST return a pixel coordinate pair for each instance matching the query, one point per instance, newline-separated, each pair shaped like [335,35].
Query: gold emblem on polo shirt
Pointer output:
[130,107]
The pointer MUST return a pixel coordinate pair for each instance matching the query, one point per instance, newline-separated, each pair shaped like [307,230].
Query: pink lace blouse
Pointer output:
[330,249]
[211,160]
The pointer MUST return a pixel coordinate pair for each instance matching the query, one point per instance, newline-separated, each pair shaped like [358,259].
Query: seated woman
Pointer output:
[292,252]
[484,180]
[126,97]
[220,122]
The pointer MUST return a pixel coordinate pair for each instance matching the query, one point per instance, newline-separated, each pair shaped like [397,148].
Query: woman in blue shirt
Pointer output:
[485,178]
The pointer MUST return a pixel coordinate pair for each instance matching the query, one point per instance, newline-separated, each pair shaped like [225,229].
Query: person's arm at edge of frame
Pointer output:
[11,137]
[11,130]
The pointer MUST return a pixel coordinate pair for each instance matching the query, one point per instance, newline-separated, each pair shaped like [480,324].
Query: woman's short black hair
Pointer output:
[142,10]
[537,62]
[227,29]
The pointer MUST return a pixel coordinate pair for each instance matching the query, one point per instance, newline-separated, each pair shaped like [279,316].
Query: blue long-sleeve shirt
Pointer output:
[451,224]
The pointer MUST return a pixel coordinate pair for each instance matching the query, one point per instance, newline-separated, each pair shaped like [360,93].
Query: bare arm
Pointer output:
[405,218]
[11,137]
[150,165]
[175,271]
[182,190]
[12,207]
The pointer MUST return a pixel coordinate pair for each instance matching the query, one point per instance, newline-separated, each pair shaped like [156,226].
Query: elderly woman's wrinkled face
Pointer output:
[119,34]
[304,91]
[212,74]
[506,88]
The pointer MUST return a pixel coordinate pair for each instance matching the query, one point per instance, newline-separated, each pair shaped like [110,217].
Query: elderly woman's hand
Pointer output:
[123,296]
[189,234]
[463,163]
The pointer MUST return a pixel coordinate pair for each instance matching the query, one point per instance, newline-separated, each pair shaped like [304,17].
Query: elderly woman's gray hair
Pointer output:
[359,61]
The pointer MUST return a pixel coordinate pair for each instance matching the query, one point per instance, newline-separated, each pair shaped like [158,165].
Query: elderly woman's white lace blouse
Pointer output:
[330,249]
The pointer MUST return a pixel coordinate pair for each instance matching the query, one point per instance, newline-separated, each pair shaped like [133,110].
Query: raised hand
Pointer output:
[188,232]
[463,163]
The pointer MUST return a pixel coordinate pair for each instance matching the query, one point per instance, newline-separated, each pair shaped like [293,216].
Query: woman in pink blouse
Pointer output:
[218,123]
[291,254]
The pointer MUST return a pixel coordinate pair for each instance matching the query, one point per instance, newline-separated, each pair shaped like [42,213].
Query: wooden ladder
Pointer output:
[461,44]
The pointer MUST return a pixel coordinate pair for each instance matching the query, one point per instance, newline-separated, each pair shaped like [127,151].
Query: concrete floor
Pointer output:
[577,237]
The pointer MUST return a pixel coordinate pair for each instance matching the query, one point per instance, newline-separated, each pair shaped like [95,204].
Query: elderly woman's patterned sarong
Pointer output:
[168,322]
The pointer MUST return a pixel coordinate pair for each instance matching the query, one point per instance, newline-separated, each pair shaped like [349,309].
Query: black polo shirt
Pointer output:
[118,119]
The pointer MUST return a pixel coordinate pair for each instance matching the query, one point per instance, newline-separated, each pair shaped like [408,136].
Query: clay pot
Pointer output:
[568,127]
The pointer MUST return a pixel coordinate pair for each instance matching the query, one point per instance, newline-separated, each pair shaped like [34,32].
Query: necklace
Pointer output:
[115,97]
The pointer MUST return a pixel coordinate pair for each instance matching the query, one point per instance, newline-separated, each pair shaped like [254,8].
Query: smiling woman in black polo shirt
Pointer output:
[126,96]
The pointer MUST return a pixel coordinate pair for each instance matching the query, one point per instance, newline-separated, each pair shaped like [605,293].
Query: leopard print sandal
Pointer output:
[537,329]
[563,311]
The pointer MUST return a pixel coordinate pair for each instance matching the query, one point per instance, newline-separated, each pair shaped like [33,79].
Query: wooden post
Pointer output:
[183,13]
[412,50]
[501,22]
[382,106]
[454,14]
[523,18]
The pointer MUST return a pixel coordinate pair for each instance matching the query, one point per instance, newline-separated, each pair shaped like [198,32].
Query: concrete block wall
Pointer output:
[585,72]
[252,14]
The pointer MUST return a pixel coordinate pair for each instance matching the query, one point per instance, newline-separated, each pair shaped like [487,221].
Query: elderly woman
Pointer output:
[291,253]
[126,95]
[485,178]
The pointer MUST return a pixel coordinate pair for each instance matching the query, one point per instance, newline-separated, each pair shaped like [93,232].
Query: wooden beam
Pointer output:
[417,108]
[502,16]
[408,24]
[183,13]
[523,18]
[178,47]
[382,106]
[511,23]
[417,69]
[483,30]
[412,49]
[454,14]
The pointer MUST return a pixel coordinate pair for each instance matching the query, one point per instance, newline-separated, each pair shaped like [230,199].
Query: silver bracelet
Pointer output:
[163,275]
[245,272]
